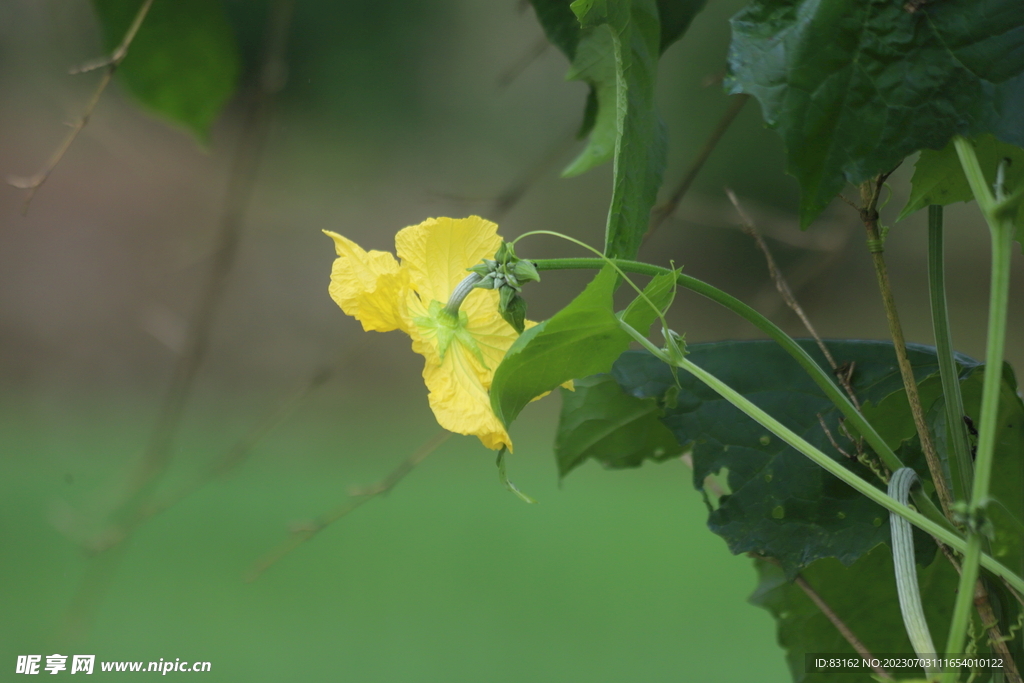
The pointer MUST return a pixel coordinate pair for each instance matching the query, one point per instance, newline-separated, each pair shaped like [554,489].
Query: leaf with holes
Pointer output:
[782,505]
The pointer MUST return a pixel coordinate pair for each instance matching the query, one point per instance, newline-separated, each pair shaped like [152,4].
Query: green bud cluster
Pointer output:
[675,345]
[507,273]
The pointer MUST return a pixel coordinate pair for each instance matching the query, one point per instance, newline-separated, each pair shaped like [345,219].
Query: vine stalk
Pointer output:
[961,469]
[820,377]
[994,209]
[876,245]
[831,466]
[109,64]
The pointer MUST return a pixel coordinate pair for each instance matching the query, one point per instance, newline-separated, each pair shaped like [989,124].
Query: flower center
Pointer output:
[446,327]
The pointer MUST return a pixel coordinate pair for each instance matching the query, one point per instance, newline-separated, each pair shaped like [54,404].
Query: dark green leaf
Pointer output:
[782,504]
[863,596]
[602,422]
[589,115]
[892,418]
[582,339]
[183,63]
[616,54]
[660,291]
[855,86]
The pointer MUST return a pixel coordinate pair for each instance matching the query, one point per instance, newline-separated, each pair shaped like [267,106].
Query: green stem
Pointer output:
[461,292]
[961,469]
[1002,229]
[835,468]
[820,377]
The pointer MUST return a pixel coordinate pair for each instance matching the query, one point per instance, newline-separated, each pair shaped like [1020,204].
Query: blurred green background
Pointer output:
[393,112]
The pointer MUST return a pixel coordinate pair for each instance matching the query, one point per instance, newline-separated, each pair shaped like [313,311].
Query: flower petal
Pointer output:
[438,251]
[492,334]
[367,285]
[458,397]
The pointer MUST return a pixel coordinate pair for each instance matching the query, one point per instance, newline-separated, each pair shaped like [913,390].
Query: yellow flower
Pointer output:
[461,354]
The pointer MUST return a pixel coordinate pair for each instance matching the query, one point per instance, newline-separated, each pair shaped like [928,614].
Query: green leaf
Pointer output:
[559,23]
[854,86]
[618,57]
[562,27]
[183,63]
[863,596]
[582,7]
[601,422]
[595,65]
[782,505]
[616,53]
[584,338]
[660,291]
[939,178]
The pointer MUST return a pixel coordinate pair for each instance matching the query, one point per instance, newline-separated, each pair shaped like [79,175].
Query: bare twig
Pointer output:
[244,447]
[848,201]
[356,499]
[714,78]
[787,295]
[241,181]
[111,63]
[870,192]
[157,455]
[848,635]
[232,458]
[840,625]
[660,213]
[511,195]
[831,439]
